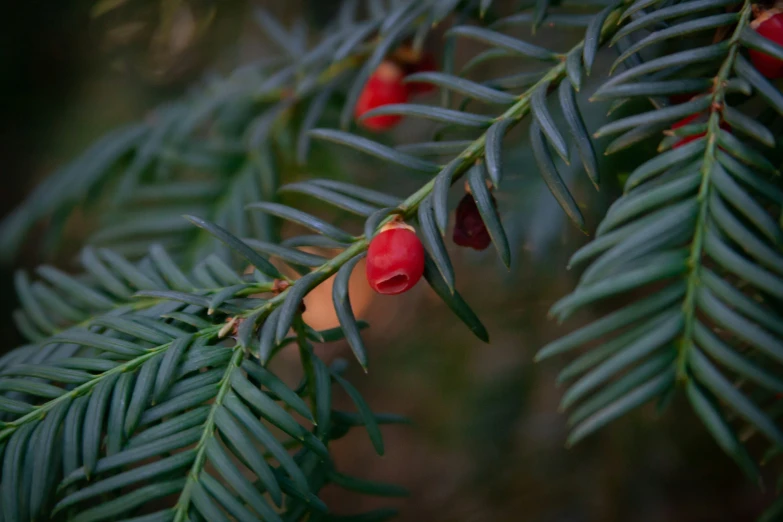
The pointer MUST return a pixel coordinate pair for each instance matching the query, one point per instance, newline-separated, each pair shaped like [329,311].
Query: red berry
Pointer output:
[383,88]
[694,118]
[469,229]
[770,26]
[687,140]
[682,123]
[426,63]
[677,99]
[687,120]
[395,260]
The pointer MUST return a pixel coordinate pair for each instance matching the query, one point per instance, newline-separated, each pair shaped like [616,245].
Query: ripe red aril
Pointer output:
[383,88]
[426,63]
[769,25]
[677,99]
[694,118]
[682,123]
[412,61]
[469,229]
[395,259]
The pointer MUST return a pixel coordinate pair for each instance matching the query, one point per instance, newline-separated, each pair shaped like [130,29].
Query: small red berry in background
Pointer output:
[469,229]
[676,99]
[426,63]
[694,118]
[414,61]
[395,259]
[383,88]
[682,123]
[769,25]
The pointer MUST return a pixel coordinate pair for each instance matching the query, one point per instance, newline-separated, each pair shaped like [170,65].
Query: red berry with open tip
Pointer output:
[395,259]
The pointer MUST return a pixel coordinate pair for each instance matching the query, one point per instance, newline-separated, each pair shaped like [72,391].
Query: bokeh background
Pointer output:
[487,441]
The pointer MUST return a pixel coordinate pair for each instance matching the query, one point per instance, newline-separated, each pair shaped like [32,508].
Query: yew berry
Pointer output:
[469,229]
[682,123]
[412,61]
[426,63]
[395,259]
[770,26]
[383,88]
[677,99]
[694,118]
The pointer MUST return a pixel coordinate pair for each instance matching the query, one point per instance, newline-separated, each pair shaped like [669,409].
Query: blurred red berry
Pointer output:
[395,260]
[415,61]
[770,26]
[383,88]
[469,229]
[682,123]
[694,118]
[426,63]
[676,99]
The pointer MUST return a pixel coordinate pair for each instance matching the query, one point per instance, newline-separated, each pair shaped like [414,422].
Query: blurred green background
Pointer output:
[487,443]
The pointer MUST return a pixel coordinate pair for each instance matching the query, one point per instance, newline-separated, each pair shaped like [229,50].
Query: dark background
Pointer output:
[488,442]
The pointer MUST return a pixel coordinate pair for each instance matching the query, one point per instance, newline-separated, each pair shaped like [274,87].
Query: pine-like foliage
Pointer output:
[693,234]
[133,366]
[144,393]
